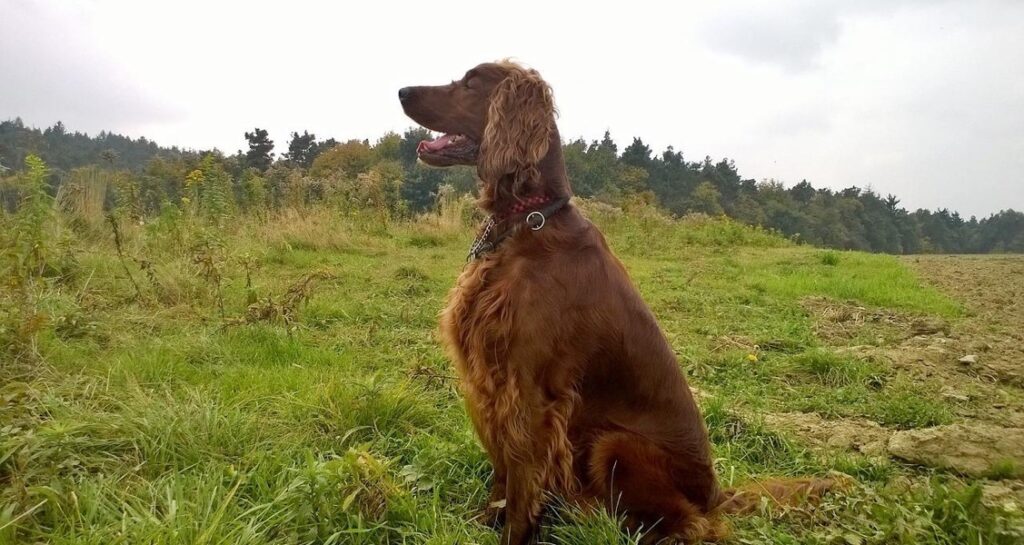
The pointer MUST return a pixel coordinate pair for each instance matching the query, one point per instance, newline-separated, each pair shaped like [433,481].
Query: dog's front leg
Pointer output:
[524,493]
[538,459]
[492,512]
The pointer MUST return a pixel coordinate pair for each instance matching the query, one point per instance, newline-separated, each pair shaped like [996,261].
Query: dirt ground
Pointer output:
[991,288]
[978,359]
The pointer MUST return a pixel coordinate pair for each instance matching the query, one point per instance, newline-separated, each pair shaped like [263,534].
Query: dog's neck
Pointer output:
[554,181]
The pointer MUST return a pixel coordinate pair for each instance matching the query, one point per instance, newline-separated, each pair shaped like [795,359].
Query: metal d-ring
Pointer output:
[531,215]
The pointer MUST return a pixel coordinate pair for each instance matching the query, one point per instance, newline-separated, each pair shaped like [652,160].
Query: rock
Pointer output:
[1007,372]
[1008,496]
[954,395]
[972,449]
[925,326]
[969,359]
[859,435]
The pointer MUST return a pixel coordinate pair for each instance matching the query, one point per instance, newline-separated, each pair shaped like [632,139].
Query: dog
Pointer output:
[571,386]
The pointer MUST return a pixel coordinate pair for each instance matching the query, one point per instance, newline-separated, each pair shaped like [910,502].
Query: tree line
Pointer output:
[384,174]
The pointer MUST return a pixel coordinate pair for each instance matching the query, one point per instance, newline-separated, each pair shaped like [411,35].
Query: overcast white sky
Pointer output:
[923,99]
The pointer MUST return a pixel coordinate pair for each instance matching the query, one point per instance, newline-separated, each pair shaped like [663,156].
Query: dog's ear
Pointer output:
[519,123]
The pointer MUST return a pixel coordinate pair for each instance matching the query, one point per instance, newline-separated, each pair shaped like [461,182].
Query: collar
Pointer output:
[532,212]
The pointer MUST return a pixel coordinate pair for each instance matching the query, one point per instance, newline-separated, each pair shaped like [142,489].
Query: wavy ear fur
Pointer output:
[520,119]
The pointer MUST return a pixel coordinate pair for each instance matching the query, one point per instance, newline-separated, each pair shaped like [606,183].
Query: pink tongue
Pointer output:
[434,145]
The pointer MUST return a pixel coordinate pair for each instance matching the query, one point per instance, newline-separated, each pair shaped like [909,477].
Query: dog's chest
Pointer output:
[477,328]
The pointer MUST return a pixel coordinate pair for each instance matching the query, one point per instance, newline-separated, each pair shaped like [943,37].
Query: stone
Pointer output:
[1008,496]
[969,359]
[925,326]
[971,449]
[953,395]
[856,434]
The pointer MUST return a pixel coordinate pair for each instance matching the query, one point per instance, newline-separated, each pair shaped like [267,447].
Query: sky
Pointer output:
[921,99]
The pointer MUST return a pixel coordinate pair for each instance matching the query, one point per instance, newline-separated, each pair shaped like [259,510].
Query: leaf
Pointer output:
[348,500]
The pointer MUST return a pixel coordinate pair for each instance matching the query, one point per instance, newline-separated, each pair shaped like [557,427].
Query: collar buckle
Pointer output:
[536,220]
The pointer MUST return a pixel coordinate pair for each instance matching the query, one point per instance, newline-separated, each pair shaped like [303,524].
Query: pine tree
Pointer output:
[260,155]
[300,149]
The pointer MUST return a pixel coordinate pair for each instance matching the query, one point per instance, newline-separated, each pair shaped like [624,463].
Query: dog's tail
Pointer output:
[791,492]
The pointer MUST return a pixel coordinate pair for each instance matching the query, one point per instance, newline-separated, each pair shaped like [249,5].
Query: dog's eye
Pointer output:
[466,82]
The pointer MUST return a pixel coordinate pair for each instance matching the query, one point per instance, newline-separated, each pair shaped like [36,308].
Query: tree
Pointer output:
[596,171]
[749,211]
[300,149]
[891,202]
[349,159]
[608,145]
[260,155]
[109,156]
[637,154]
[320,147]
[704,199]
[576,165]
[380,189]
[802,192]
[407,148]
[632,180]
[386,176]
[672,180]
[254,190]
[388,147]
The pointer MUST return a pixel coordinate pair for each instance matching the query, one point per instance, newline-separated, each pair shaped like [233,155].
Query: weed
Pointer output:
[834,370]
[209,260]
[1005,469]
[829,258]
[119,246]
[285,307]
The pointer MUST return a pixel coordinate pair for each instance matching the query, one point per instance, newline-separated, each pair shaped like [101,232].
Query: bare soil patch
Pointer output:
[992,290]
[978,359]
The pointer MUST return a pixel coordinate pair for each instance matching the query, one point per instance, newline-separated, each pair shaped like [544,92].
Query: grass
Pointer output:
[837,371]
[905,406]
[155,420]
[830,258]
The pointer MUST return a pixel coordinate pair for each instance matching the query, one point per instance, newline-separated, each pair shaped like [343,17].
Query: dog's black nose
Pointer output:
[404,93]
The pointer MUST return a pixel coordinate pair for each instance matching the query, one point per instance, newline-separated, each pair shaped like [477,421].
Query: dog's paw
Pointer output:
[493,513]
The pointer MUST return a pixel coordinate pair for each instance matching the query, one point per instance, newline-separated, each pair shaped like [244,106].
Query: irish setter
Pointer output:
[570,383]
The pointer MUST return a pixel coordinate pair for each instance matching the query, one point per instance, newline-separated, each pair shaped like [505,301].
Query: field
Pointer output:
[279,380]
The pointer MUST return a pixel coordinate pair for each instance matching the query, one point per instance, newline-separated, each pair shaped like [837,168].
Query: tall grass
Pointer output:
[82,198]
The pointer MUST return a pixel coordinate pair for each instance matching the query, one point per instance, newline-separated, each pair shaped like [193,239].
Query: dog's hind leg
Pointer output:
[635,478]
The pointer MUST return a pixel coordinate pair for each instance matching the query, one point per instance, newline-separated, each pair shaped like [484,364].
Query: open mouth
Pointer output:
[447,150]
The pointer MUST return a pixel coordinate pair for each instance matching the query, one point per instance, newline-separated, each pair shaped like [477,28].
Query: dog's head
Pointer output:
[499,117]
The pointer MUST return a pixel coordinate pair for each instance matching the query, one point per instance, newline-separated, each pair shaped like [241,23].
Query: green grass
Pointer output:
[837,371]
[157,421]
[906,406]
[830,258]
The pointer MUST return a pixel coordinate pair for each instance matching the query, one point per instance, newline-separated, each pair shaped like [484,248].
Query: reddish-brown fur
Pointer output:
[571,385]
